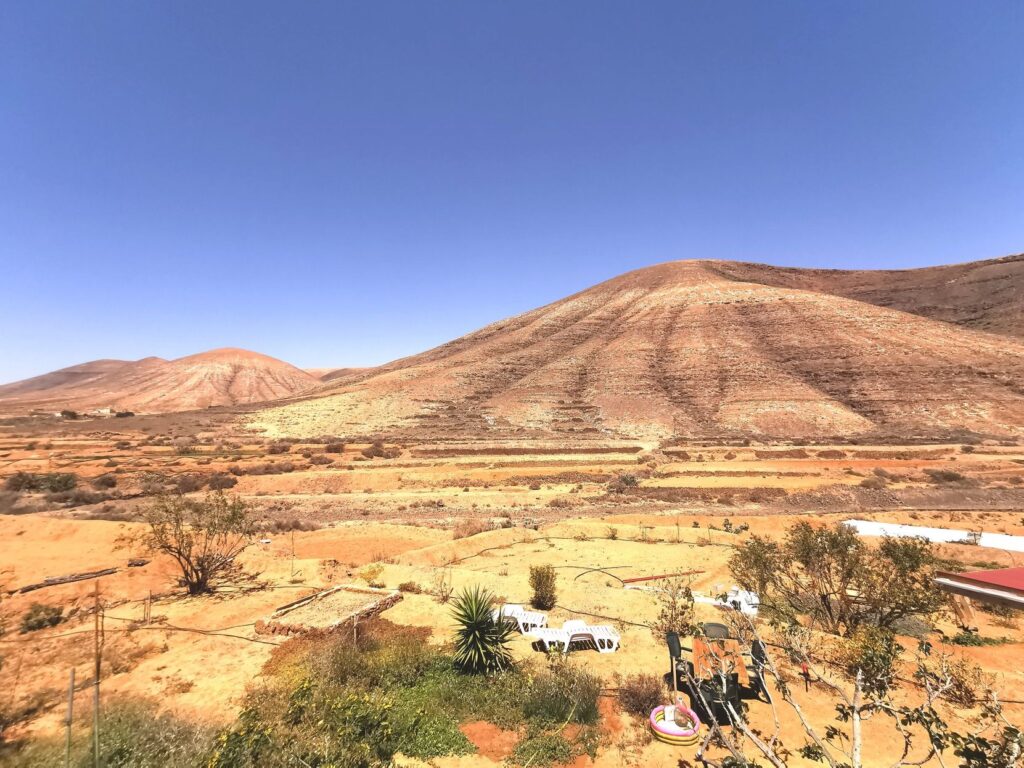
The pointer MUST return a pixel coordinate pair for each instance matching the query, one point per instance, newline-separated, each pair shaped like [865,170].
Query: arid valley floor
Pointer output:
[434,513]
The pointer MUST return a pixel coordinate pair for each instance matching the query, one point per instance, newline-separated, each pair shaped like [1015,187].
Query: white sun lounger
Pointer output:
[525,621]
[604,637]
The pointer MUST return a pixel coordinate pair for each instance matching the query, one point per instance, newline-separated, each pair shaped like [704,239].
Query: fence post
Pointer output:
[96,683]
[69,719]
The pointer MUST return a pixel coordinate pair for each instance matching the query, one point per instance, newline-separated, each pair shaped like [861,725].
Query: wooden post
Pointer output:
[96,684]
[69,719]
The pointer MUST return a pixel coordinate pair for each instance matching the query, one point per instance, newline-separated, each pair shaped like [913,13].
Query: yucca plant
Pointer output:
[481,641]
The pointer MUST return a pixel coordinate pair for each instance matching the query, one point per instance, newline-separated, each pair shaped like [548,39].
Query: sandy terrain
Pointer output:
[465,513]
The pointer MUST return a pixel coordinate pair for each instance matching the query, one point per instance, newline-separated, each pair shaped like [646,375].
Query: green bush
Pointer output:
[543,583]
[328,699]
[542,749]
[133,735]
[874,652]
[975,640]
[41,616]
[332,700]
[564,693]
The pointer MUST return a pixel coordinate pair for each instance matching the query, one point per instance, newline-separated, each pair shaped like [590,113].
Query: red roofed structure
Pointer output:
[1003,586]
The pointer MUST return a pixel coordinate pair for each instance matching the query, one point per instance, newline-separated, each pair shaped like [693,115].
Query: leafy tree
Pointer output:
[675,609]
[831,575]
[202,536]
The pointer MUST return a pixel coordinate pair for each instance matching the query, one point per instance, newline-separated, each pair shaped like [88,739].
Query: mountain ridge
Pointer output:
[687,348]
[225,376]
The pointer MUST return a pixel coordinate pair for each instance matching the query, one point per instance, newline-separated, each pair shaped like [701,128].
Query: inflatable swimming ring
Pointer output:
[665,728]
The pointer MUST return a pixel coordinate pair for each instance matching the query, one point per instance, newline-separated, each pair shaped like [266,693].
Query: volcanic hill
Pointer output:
[710,348]
[151,385]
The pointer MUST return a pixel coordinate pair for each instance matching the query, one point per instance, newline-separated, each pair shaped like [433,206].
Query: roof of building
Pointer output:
[1002,585]
[1008,578]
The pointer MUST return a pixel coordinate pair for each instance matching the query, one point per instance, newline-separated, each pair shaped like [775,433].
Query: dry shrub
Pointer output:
[184,445]
[221,481]
[189,483]
[947,477]
[124,655]
[639,694]
[377,450]
[41,616]
[831,454]
[466,528]
[263,468]
[967,682]
[442,587]
[285,526]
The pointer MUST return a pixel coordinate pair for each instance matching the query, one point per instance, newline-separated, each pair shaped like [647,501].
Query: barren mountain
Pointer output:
[217,377]
[699,348]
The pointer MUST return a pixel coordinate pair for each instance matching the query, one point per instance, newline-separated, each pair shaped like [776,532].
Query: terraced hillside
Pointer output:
[689,349]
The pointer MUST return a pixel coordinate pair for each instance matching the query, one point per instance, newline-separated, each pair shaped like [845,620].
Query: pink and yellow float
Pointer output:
[663,724]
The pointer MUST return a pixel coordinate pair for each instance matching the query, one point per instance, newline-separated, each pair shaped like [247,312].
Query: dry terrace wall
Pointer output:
[309,612]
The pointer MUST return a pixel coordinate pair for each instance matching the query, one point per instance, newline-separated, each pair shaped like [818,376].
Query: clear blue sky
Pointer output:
[343,183]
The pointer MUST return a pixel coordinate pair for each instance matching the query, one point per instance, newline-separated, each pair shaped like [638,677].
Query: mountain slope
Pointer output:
[686,349]
[217,377]
[983,295]
[75,375]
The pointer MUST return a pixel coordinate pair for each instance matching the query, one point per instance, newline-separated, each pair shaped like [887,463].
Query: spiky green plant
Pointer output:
[481,641]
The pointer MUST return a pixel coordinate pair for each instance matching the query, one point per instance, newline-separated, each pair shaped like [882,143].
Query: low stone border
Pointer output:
[276,624]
